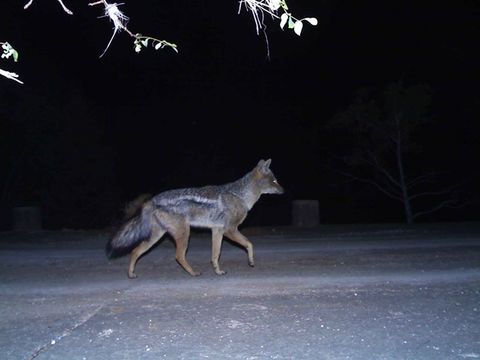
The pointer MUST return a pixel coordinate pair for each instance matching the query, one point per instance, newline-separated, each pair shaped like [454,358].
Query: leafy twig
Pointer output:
[120,21]
[9,51]
[272,7]
[142,41]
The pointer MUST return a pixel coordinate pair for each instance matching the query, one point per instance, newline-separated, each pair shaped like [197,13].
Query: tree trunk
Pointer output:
[401,172]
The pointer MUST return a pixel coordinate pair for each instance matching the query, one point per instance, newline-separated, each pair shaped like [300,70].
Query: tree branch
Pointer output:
[443,204]
[421,179]
[374,183]
[434,193]
[383,170]
[10,75]
[68,11]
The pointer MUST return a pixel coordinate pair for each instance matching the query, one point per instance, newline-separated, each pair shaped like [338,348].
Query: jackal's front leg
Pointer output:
[238,237]
[217,235]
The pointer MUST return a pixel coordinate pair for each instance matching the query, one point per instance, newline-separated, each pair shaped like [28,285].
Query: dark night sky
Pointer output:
[85,134]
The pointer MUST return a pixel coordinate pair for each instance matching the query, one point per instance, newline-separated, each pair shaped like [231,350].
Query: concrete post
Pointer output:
[27,218]
[305,213]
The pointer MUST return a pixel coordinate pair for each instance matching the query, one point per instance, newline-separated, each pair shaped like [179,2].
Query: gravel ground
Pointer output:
[335,292]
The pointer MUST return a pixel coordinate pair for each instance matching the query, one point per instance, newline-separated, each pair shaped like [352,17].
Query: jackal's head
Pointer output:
[265,179]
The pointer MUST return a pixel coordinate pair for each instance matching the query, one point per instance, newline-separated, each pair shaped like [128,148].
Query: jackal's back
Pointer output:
[202,207]
[223,206]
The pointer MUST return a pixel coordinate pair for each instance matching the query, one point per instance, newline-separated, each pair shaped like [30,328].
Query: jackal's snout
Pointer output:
[278,189]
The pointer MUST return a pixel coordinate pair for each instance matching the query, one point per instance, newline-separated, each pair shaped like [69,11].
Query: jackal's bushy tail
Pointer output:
[133,207]
[132,233]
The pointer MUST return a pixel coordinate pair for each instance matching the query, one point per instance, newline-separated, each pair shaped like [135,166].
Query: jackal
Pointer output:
[221,208]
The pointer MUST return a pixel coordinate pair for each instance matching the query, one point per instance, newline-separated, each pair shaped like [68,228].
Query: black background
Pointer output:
[83,135]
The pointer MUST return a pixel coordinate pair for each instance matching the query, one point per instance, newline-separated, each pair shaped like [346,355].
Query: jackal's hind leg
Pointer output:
[144,246]
[238,237]
[181,235]
[217,235]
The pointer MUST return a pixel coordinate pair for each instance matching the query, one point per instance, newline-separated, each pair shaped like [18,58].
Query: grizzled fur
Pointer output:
[221,208]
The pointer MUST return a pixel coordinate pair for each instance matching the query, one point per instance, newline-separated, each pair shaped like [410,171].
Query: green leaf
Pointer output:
[8,51]
[283,20]
[15,55]
[158,45]
[298,27]
[145,42]
[291,23]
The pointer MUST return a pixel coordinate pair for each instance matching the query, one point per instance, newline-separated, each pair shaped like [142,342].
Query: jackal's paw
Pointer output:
[220,272]
[195,273]
[132,276]
[251,264]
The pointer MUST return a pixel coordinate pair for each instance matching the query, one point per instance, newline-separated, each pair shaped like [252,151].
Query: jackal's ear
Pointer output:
[264,165]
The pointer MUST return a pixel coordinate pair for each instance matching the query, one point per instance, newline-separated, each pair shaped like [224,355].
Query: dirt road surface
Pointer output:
[334,292]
